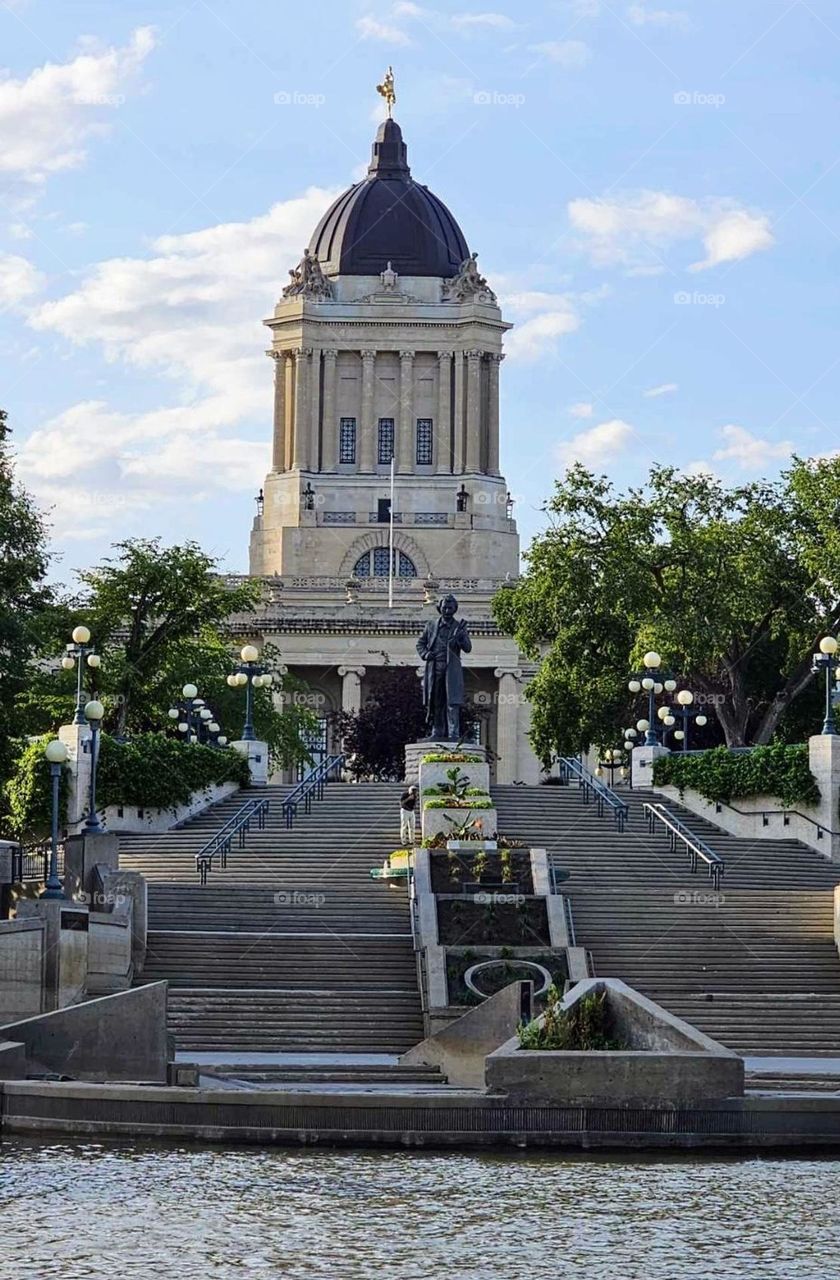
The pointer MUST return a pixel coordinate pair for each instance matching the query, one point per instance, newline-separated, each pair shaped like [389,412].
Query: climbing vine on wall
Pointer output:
[780,771]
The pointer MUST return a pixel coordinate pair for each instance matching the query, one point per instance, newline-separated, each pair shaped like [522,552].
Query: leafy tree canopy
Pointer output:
[732,586]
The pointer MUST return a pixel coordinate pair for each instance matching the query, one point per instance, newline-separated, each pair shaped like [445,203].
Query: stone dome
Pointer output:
[388,217]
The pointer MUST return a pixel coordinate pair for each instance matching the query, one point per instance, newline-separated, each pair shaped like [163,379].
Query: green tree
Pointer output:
[733,586]
[162,617]
[23,594]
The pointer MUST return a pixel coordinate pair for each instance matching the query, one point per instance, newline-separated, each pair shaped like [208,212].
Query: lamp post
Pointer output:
[184,711]
[253,676]
[56,754]
[93,711]
[826,660]
[611,760]
[78,654]
[647,681]
[686,713]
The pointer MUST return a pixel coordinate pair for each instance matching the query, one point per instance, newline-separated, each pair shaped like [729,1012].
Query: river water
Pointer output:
[92,1209]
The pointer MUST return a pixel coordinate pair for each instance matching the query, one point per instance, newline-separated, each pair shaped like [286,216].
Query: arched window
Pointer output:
[374,564]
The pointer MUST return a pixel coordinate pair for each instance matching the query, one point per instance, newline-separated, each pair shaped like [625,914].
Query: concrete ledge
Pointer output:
[449,1119]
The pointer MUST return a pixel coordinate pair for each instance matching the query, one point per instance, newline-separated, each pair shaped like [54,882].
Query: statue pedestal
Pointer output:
[415,751]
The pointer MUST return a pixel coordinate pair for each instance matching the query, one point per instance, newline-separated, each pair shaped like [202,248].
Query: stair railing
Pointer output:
[311,788]
[678,833]
[238,826]
[592,787]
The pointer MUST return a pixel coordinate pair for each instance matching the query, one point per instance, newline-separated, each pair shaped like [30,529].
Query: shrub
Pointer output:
[156,772]
[28,793]
[720,775]
[451,757]
[480,801]
[586,1027]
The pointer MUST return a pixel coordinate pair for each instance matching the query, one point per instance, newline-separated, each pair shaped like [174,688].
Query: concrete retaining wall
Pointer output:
[124,818]
[22,955]
[116,1037]
[461,1048]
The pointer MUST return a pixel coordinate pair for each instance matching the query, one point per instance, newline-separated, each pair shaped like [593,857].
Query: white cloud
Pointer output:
[581,410]
[736,235]
[373,29]
[641,16]
[498,21]
[190,313]
[541,320]
[750,452]
[46,119]
[566,53]
[19,280]
[598,445]
[635,228]
[664,390]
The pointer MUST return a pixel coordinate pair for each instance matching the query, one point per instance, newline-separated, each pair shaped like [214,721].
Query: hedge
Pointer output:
[780,770]
[150,771]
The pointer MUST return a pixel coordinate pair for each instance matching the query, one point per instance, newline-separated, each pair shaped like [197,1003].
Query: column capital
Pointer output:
[406,355]
[330,353]
[516,672]
[474,354]
[352,671]
[495,357]
[444,356]
[368,357]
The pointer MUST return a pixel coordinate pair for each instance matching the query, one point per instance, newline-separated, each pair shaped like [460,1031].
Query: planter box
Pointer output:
[434,820]
[667,1062]
[133,818]
[434,775]
[472,846]
[451,872]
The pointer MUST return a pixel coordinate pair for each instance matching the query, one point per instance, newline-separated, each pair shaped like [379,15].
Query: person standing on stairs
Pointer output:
[408,803]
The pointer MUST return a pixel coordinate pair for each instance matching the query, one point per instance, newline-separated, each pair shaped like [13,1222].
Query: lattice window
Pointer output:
[424,442]
[375,563]
[386,441]
[347,440]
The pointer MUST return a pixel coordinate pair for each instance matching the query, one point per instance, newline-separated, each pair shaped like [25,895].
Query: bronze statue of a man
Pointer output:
[440,647]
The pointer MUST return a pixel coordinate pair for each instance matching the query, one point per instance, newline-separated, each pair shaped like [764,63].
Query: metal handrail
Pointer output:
[220,843]
[30,862]
[592,786]
[698,850]
[767,814]
[312,786]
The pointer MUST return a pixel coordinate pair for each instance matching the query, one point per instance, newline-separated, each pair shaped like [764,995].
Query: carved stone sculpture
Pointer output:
[469,285]
[307,280]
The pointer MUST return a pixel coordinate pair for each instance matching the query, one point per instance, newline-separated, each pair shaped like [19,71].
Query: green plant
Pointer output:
[779,770]
[479,801]
[451,757]
[28,793]
[156,772]
[586,1027]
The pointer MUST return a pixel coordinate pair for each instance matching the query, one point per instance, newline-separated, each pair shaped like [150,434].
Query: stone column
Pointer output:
[315,410]
[278,461]
[509,696]
[301,443]
[493,415]
[473,428]
[442,436]
[329,452]
[351,689]
[367,444]
[289,409]
[405,451]
[458,460]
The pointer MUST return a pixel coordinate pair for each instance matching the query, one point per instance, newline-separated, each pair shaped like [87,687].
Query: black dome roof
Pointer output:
[388,217]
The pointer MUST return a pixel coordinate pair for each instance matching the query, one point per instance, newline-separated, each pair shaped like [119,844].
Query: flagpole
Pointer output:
[391,542]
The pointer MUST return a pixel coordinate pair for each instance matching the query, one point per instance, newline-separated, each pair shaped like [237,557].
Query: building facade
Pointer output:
[387,347]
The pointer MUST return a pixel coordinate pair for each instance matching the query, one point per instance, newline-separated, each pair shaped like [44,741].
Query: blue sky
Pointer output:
[652,189]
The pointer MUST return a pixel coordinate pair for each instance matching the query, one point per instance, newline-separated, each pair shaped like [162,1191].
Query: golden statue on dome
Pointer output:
[386,89]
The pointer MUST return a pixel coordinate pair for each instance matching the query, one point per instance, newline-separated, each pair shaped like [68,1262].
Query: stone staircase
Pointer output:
[754,966]
[292,947]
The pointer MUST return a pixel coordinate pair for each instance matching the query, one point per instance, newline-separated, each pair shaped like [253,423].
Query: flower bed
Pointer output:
[451,871]
[460,959]
[493,918]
